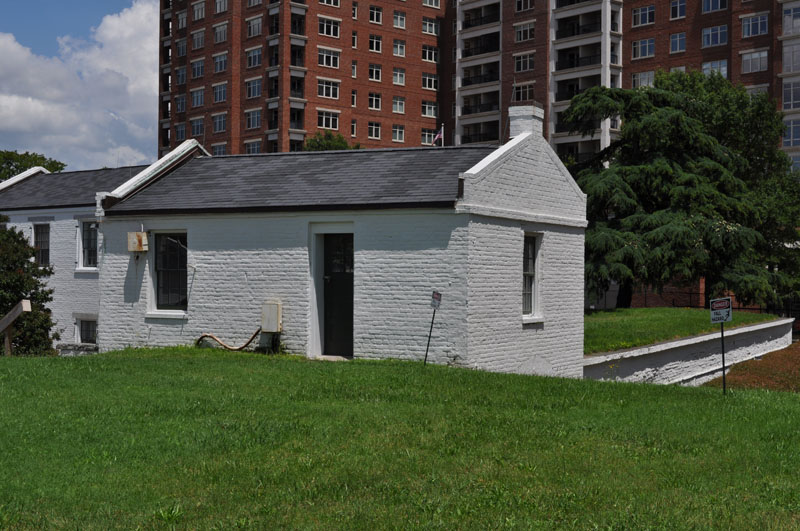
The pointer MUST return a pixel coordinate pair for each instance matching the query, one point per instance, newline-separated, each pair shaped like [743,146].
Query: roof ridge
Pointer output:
[353,151]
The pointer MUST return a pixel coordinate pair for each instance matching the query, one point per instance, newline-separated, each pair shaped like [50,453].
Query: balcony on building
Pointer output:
[578,56]
[298,24]
[576,152]
[482,132]
[570,3]
[569,88]
[480,103]
[577,25]
[297,87]
[489,43]
[479,74]
[297,56]
[481,16]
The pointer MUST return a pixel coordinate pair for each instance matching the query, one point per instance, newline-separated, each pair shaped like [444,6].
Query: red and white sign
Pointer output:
[721,310]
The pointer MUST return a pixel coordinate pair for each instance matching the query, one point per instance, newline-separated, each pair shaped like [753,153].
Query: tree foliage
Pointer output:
[13,163]
[21,278]
[328,141]
[694,187]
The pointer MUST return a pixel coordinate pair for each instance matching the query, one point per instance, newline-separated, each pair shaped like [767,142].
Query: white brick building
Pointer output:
[352,244]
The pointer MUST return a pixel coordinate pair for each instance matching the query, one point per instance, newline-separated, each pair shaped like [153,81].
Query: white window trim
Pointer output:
[152,311]
[79,267]
[537,315]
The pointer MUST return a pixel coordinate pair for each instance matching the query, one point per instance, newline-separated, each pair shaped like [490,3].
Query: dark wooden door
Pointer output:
[338,295]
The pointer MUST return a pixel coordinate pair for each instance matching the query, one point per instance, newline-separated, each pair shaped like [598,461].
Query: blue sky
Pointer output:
[79,80]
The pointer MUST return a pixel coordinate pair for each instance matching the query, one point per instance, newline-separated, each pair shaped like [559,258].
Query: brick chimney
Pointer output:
[524,119]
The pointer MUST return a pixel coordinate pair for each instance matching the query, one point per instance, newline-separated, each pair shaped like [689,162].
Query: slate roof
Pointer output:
[65,189]
[369,178]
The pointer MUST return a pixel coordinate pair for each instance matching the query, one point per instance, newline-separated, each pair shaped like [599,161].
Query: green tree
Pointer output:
[21,278]
[13,163]
[328,141]
[695,186]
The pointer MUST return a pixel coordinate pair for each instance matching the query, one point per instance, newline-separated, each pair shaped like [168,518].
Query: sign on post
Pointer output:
[721,310]
[436,300]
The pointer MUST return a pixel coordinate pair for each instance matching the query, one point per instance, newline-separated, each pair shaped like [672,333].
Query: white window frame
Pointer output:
[398,133]
[524,62]
[372,128]
[398,104]
[713,36]
[643,48]
[524,31]
[328,119]
[677,39]
[758,21]
[375,72]
[83,225]
[398,76]
[375,15]
[329,27]
[399,48]
[675,9]
[534,314]
[328,88]
[643,16]
[710,6]
[757,58]
[399,19]
[374,101]
[720,66]
[430,26]
[430,54]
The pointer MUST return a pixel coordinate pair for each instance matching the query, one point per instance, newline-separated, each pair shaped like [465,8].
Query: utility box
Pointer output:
[137,242]
[271,320]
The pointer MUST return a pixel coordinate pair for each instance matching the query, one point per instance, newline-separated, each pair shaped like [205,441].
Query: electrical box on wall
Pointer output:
[137,241]
[271,317]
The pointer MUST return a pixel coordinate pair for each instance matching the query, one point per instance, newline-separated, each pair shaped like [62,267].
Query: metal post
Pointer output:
[429,338]
[722,337]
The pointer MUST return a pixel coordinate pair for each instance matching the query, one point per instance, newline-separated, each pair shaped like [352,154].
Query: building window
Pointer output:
[180,75]
[523,62]
[328,89]
[754,62]
[88,331]
[755,25]
[221,33]
[677,42]
[374,101]
[353,69]
[329,27]
[198,127]
[329,58]
[643,48]
[252,147]
[677,9]
[530,304]
[398,104]
[353,97]
[430,26]
[523,32]
[180,132]
[429,109]
[716,66]
[791,57]
[374,72]
[352,128]
[399,48]
[252,119]
[199,10]
[218,150]
[376,14]
[170,267]
[181,19]
[328,120]
[180,48]
[398,133]
[218,123]
[644,15]
[642,79]
[430,53]
[524,5]
[399,19]
[399,76]
[791,137]
[253,88]
[522,93]
[375,43]
[431,3]
[220,92]
[180,103]
[791,95]
[714,5]
[253,57]
[791,20]
[374,130]
[253,3]
[715,36]
[89,244]
[254,27]
[333,3]
[355,10]
[427,136]
[220,63]
[198,68]
[198,97]
[354,42]
[221,5]
[430,81]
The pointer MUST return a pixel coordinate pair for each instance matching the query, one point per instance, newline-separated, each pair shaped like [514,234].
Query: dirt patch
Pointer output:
[778,371]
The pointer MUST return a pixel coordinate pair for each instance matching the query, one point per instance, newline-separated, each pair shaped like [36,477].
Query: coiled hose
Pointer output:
[225,345]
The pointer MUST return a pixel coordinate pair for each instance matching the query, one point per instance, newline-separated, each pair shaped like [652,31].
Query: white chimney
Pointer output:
[525,119]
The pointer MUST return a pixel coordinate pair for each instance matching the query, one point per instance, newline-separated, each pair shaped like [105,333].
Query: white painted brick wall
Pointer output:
[74,292]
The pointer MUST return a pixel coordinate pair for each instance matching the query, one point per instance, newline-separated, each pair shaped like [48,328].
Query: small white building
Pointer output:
[352,244]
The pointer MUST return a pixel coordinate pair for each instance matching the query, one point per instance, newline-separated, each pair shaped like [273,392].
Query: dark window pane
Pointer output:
[171,289]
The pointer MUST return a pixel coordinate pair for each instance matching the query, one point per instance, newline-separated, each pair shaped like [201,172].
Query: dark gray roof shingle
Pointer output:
[65,189]
[309,181]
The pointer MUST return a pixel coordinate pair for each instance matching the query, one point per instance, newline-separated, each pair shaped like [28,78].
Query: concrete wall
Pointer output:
[691,360]
[76,292]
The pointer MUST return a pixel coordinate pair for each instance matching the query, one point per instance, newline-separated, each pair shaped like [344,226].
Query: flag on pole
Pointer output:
[439,134]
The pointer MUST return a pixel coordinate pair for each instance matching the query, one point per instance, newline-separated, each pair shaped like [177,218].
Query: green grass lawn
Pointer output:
[606,331]
[190,438]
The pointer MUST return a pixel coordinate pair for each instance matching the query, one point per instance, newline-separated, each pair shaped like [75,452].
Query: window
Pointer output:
[374,130]
[218,150]
[642,79]
[252,147]
[253,3]
[221,33]
[180,132]
[354,42]
[352,128]
[253,57]
[252,119]
[181,19]
[643,48]
[218,123]
[374,101]
[755,25]
[374,72]
[523,62]
[353,68]
[353,97]
[254,27]
[677,42]
[398,104]
[399,76]
[180,75]
[89,244]
[329,27]
[199,10]
[399,19]
[375,43]
[88,331]
[523,32]
[716,66]
[529,292]
[170,268]
[198,67]
[754,62]
[431,3]
[399,48]
[376,14]
[221,5]
[328,89]
[791,20]
[198,97]
[180,103]
[328,120]
[430,26]
[333,3]
[644,15]
[430,53]
[429,109]
[677,9]
[329,58]
[355,10]
[791,137]
[430,81]
[220,63]
[398,133]
[253,88]
[524,5]
[198,127]
[791,57]
[220,92]
[791,95]
[714,5]
[522,93]
[427,136]
[180,48]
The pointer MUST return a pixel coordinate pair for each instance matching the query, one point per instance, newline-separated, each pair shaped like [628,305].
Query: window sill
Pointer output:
[532,319]
[166,314]
[87,270]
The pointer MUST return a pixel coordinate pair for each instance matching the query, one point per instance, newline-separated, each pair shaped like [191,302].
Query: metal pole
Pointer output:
[722,337]
[429,338]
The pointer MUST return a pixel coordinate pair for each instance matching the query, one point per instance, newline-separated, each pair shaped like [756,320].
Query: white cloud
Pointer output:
[96,103]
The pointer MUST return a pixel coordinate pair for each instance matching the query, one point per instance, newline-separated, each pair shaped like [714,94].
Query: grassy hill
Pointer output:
[192,438]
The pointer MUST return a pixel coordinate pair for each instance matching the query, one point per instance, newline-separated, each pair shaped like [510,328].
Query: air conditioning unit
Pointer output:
[271,320]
